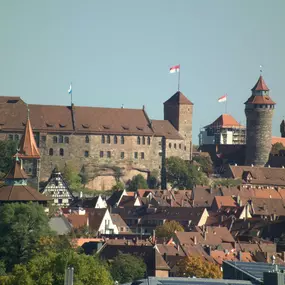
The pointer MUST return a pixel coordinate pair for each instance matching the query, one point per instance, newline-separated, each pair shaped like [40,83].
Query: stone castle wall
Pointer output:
[258,135]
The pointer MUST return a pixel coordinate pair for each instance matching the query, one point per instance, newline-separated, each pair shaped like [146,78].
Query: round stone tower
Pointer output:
[259,112]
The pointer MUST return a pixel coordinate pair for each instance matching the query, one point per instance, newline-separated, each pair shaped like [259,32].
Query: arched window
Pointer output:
[54,139]
[122,140]
[61,152]
[50,152]
[138,140]
[148,140]
[143,140]
[175,145]
[60,139]
[66,139]
[108,139]
[169,145]
[180,145]
[87,139]
[103,139]
[115,140]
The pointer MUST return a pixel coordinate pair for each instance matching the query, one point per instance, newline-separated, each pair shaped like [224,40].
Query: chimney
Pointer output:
[165,257]
[195,240]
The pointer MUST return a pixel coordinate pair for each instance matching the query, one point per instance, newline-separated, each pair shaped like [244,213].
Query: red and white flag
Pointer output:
[174,69]
[222,99]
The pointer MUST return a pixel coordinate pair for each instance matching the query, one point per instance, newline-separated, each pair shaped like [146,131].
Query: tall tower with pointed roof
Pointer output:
[259,110]
[178,111]
[29,153]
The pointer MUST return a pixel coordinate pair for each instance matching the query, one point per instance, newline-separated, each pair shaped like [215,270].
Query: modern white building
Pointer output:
[224,130]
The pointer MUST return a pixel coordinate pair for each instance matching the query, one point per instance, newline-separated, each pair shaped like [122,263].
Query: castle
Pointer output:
[93,137]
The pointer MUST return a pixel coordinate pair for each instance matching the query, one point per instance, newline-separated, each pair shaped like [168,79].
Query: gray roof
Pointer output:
[187,281]
[60,225]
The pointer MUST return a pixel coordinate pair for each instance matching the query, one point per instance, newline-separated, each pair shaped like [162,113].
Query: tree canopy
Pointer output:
[183,175]
[168,229]
[227,182]
[49,269]
[276,148]
[126,268]
[196,266]
[21,226]
[153,179]
[137,182]
[71,177]
[7,150]
[205,162]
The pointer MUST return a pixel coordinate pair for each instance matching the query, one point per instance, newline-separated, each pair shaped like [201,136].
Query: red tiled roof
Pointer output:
[79,119]
[260,85]
[166,129]
[224,201]
[260,175]
[77,221]
[225,121]
[16,172]
[21,193]
[278,140]
[178,98]
[28,147]
[260,99]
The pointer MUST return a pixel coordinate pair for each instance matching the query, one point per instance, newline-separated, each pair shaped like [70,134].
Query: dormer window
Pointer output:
[106,127]
[140,128]
[126,128]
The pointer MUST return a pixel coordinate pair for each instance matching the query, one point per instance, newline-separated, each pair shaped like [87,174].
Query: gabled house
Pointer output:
[97,203]
[58,189]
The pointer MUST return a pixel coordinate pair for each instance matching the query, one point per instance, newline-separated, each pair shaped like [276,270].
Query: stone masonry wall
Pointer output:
[258,135]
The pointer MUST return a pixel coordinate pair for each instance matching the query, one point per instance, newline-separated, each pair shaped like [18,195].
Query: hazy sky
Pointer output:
[119,51]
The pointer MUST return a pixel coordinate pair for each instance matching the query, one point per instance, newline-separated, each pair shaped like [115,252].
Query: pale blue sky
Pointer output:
[119,51]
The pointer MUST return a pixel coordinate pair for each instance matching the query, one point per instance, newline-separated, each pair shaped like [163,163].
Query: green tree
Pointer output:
[205,162]
[126,268]
[168,229]
[7,150]
[137,182]
[227,182]
[183,175]
[49,269]
[153,179]
[21,226]
[118,186]
[276,148]
[71,176]
[83,176]
[196,266]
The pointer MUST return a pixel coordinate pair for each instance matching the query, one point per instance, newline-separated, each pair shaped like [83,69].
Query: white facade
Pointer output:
[100,204]
[107,226]
[222,136]
[58,190]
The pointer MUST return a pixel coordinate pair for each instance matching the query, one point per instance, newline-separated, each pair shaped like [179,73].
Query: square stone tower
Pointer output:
[178,110]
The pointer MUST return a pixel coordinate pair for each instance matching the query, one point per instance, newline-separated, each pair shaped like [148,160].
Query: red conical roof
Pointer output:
[225,121]
[260,85]
[28,147]
[178,98]
[16,172]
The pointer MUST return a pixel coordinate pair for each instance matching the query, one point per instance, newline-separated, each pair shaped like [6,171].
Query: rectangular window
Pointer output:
[86,153]
[108,154]
[142,155]
[10,137]
[44,138]
[101,153]
[122,155]
[59,201]
[136,155]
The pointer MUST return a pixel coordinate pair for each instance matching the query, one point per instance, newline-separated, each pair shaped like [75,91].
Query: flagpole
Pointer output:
[179,78]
